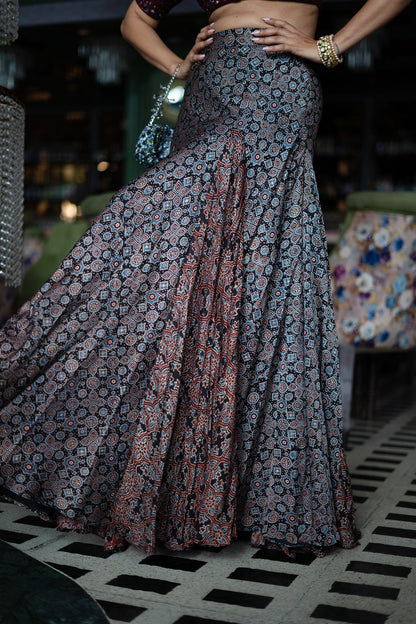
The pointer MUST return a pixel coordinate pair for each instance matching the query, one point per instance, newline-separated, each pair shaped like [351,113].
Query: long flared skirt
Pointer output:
[177,377]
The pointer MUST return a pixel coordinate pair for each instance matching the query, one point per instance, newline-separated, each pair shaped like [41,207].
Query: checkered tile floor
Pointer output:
[371,584]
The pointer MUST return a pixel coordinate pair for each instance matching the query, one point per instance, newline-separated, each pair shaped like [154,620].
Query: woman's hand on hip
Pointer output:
[202,41]
[280,36]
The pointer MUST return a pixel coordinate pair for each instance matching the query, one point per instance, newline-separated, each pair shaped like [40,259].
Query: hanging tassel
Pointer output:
[11,187]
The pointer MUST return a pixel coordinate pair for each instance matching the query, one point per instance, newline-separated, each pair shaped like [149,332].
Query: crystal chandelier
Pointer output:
[107,57]
[9,21]
[363,55]
[11,187]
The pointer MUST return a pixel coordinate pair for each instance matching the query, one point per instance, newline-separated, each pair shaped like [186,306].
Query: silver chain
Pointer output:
[156,110]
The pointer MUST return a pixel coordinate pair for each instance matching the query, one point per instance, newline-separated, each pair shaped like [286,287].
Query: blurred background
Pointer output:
[87,95]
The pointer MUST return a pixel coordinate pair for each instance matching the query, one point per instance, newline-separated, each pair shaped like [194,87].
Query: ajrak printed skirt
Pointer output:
[176,379]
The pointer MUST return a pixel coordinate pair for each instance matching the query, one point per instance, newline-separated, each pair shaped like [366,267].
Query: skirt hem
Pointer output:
[115,541]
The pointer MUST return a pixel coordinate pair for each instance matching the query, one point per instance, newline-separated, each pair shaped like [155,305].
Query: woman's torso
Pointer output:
[245,13]
[249,13]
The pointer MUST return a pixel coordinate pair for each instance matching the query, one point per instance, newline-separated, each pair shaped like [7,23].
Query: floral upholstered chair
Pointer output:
[373,268]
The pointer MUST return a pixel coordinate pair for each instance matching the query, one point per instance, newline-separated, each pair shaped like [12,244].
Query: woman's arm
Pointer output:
[373,15]
[139,29]
[281,36]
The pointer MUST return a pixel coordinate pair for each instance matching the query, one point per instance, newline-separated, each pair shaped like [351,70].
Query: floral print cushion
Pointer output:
[373,270]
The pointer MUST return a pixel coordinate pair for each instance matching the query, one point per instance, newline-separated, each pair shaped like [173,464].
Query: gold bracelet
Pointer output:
[327,51]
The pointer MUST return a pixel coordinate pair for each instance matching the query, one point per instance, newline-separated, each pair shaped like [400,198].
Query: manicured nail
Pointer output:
[212,23]
[266,19]
[266,48]
[255,32]
[210,39]
[255,39]
[211,30]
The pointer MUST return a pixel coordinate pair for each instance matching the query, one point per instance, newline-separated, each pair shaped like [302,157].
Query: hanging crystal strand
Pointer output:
[12,119]
[9,21]
[12,123]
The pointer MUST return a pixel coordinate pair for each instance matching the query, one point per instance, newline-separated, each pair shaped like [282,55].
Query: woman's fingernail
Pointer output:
[255,39]
[255,32]
[210,39]
[266,19]
[212,23]
[266,48]
[211,30]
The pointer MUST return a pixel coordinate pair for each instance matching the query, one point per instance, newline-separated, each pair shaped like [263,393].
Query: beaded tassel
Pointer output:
[12,120]
[11,187]
[9,21]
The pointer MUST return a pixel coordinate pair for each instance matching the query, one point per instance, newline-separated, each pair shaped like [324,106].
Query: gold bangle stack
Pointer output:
[327,51]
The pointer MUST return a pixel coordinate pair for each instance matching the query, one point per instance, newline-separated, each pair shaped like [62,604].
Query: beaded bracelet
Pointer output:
[327,51]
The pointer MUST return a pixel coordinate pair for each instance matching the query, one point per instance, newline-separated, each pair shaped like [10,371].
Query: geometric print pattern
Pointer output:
[177,378]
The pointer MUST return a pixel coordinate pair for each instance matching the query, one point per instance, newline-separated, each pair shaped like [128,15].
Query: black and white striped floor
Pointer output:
[371,584]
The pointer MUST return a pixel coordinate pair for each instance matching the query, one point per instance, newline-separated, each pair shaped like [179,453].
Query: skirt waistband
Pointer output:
[238,41]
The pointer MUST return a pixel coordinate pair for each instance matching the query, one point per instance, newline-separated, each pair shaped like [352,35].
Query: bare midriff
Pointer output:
[249,13]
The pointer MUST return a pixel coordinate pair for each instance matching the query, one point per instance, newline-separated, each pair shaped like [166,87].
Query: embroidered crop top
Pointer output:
[159,8]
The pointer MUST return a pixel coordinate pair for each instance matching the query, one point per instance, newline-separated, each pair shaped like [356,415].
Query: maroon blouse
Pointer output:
[159,8]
